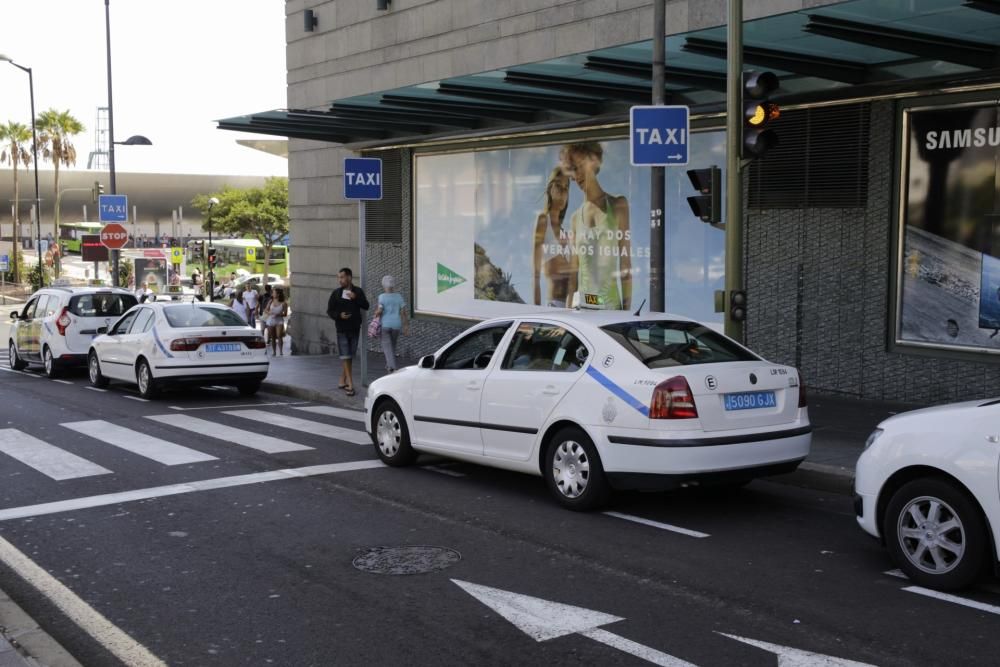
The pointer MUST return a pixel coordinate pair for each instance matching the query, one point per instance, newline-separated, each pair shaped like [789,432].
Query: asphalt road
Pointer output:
[259,568]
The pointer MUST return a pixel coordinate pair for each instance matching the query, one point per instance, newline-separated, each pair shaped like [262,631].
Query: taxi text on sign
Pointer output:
[363,178]
[114,236]
[113,208]
[659,135]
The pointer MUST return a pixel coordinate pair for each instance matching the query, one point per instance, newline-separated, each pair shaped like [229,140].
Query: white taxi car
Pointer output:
[163,343]
[926,485]
[594,401]
[56,325]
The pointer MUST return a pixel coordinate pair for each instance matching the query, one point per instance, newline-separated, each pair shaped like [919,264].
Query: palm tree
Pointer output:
[56,128]
[14,142]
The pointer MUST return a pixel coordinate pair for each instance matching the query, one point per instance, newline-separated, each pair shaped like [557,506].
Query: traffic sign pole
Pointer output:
[362,181]
[657,188]
[734,177]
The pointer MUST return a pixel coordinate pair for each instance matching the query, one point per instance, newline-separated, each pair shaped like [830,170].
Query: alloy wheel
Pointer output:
[94,369]
[931,535]
[571,468]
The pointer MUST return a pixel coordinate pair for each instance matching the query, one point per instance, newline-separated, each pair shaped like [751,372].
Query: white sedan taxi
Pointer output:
[926,485]
[160,344]
[594,401]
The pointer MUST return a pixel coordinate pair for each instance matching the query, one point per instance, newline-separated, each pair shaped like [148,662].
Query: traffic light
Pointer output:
[211,257]
[707,206]
[97,190]
[737,305]
[758,113]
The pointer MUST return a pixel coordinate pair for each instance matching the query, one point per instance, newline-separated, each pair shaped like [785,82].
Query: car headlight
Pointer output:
[873,437]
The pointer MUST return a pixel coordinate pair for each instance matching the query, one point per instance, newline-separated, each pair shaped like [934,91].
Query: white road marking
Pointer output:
[306,426]
[444,471]
[981,606]
[96,389]
[634,648]
[63,381]
[45,458]
[990,588]
[189,487]
[161,451]
[793,657]
[356,415]
[122,646]
[135,398]
[896,573]
[223,407]
[657,524]
[237,436]
[8,370]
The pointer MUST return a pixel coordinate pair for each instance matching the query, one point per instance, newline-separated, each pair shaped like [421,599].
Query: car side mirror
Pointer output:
[14,315]
[427,361]
[102,330]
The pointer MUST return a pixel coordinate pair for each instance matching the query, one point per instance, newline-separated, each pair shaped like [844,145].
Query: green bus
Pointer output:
[233,254]
[70,234]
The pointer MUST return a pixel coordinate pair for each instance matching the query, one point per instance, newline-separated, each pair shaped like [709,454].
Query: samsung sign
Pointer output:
[977,138]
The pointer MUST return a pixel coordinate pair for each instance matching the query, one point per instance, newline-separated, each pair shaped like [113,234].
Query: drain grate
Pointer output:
[406,560]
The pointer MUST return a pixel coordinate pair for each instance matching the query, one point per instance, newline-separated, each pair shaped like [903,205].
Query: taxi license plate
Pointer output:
[750,400]
[223,347]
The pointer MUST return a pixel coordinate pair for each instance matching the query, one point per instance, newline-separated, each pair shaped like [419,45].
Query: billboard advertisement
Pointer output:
[949,247]
[152,272]
[505,230]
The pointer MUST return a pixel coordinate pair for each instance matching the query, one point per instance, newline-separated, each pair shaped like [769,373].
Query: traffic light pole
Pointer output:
[734,176]
[657,189]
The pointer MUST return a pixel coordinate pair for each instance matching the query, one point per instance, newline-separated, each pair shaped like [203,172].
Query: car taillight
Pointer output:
[185,344]
[63,321]
[255,343]
[803,401]
[672,399]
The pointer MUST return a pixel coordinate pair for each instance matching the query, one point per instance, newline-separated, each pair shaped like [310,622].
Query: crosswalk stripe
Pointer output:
[46,459]
[304,425]
[158,450]
[356,415]
[237,436]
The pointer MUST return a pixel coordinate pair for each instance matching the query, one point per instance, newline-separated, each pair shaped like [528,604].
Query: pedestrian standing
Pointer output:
[239,306]
[262,306]
[251,297]
[392,313]
[277,311]
[344,308]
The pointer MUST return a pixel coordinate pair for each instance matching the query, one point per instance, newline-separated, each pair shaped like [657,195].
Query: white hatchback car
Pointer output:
[158,344]
[926,485]
[596,400]
[56,325]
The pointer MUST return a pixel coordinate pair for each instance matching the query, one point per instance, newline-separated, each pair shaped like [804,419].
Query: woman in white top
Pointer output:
[277,311]
[552,243]
[240,307]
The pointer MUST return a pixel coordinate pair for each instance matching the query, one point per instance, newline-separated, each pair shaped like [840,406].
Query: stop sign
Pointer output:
[114,236]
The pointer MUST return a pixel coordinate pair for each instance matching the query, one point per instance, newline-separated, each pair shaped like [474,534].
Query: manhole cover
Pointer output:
[406,560]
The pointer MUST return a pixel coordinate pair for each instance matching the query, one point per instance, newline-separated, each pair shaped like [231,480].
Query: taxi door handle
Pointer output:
[551,390]
[472,386]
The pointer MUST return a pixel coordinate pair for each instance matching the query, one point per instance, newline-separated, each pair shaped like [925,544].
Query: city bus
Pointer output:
[70,233]
[233,254]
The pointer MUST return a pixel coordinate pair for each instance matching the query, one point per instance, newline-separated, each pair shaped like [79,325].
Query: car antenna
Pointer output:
[636,313]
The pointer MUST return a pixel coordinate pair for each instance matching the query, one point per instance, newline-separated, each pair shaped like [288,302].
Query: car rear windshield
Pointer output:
[195,315]
[100,304]
[666,343]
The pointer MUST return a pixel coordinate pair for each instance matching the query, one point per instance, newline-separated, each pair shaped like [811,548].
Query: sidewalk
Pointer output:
[840,425]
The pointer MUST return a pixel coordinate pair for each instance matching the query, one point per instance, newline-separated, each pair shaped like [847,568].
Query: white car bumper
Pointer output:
[866,490]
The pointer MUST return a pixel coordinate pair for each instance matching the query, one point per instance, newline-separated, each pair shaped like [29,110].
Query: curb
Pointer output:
[30,645]
[356,402]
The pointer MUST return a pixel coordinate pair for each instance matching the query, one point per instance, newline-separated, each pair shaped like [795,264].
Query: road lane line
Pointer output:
[657,524]
[63,381]
[228,407]
[356,415]
[96,389]
[444,471]
[306,426]
[135,398]
[103,631]
[45,458]
[189,487]
[981,606]
[237,436]
[159,450]
[989,588]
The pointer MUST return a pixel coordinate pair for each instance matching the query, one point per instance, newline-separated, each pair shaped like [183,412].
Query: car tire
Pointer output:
[16,362]
[936,534]
[97,378]
[573,471]
[50,363]
[248,388]
[148,386]
[390,435]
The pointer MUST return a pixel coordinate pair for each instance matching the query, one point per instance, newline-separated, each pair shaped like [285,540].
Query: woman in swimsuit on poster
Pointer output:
[602,240]
[552,243]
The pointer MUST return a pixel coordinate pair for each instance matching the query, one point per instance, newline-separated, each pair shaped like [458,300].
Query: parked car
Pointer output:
[56,325]
[160,344]
[244,280]
[926,486]
[594,401]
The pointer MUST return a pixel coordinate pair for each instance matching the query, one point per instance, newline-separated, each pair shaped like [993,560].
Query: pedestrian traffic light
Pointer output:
[758,113]
[737,305]
[707,206]
[97,190]
[211,257]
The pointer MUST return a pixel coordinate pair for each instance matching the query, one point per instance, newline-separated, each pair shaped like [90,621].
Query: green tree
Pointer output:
[15,140]
[257,213]
[56,128]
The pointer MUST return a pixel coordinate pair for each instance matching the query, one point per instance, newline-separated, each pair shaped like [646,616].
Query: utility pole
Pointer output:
[734,177]
[657,189]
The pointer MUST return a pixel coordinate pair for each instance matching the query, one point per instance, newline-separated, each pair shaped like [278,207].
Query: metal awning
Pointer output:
[852,49]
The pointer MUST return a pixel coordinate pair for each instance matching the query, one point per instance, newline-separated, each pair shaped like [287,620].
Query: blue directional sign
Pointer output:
[112,208]
[4,263]
[659,136]
[363,178]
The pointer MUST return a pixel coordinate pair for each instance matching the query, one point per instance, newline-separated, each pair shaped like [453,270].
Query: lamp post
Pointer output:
[212,201]
[34,151]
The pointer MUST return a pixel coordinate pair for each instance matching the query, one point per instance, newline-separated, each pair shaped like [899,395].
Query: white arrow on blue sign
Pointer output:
[112,208]
[363,178]
[4,263]
[659,135]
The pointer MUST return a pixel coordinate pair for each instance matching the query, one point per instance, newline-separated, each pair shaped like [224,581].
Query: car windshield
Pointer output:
[100,304]
[666,343]
[200,315]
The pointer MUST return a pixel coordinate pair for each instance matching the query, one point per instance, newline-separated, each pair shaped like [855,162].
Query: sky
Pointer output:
[177,66]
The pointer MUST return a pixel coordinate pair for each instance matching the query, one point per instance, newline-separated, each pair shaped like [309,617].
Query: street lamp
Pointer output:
[34,150]
[212,201]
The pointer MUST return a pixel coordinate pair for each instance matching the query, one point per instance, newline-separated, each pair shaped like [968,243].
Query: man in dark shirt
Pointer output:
[344,308]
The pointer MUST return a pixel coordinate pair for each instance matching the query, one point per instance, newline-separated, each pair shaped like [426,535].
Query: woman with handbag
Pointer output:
[389,320]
